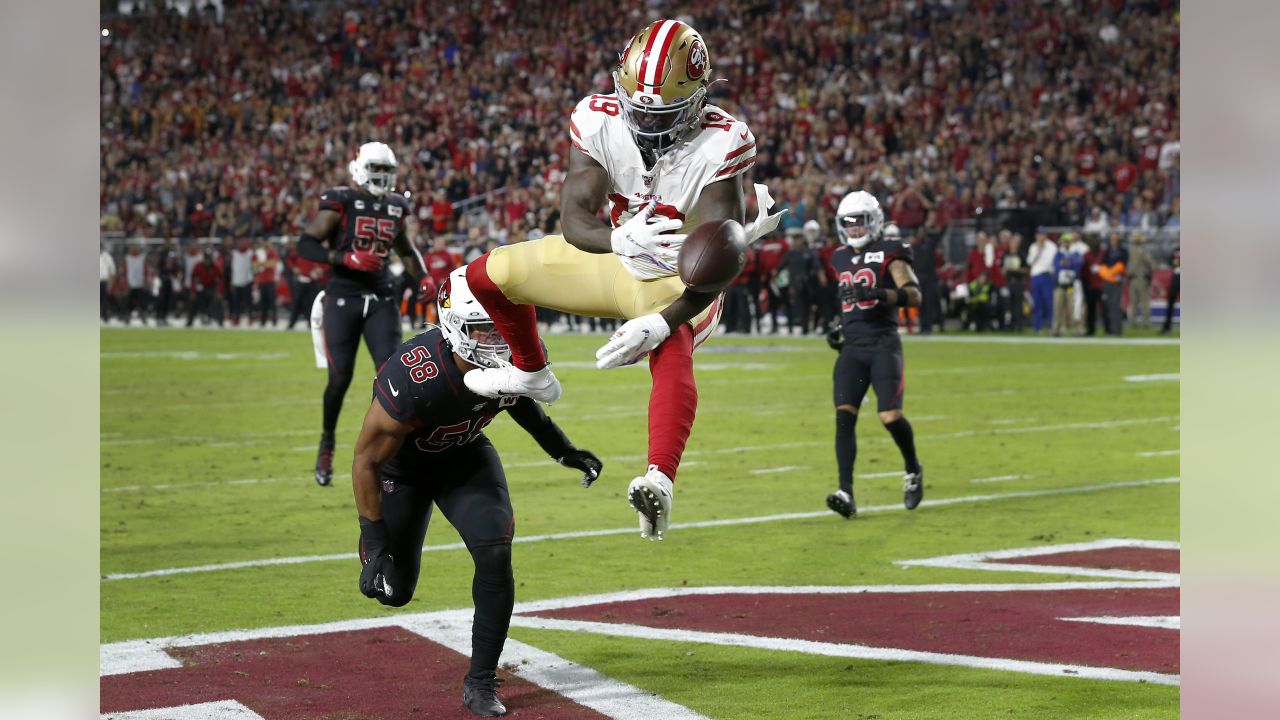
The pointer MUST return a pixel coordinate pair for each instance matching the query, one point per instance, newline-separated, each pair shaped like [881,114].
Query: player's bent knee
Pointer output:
[492,560]
[889,416]
[851,409]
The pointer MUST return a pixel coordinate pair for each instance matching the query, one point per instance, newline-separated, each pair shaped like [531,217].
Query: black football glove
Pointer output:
[583,460]
[835,338]
[862,293]
[377,566]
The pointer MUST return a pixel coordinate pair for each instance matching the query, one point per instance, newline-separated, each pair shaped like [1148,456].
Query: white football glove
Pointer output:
[764,222]
[644,251]
[635,339]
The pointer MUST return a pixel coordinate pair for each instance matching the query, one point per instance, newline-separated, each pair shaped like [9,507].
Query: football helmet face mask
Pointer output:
[661,81]
[859,219]
[467,326]
[374,168]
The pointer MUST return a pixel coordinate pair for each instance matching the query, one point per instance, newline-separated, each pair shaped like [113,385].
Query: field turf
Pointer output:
[209,437]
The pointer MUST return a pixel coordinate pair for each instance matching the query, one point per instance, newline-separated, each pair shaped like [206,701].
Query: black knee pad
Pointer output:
[492,561]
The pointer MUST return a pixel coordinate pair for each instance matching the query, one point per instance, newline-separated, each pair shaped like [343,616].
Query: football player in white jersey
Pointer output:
[660,160]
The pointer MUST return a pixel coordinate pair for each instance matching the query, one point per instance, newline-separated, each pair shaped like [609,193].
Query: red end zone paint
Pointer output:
[386,673]
[1020,625]
[1118,558]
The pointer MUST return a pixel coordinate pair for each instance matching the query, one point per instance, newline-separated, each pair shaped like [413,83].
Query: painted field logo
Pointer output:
[1118,622]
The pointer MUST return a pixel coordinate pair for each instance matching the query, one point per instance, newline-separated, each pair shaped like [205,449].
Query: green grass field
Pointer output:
[208,439]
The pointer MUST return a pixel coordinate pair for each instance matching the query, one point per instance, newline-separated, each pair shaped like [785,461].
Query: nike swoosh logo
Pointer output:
[744,135]
[394,391]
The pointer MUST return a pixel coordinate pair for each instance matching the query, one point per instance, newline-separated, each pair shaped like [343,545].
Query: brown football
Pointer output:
[713,255]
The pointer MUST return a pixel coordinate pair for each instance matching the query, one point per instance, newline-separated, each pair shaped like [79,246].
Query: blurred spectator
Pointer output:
[1040,259]
[773,281]
[169,273]
[980,303]
[215,127]
[1097,222]
[106,274]
[1111,270]
[909,208]
[925,261]
[737,298]
[242,282]
[265,265]
[1092,281]
[1175,290]
[137,277]
[1141,267]
[800,264]
[206,287]
[1015,278]
[1067,263]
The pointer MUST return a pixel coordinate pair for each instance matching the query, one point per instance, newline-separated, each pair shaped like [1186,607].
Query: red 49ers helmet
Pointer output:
[661,80]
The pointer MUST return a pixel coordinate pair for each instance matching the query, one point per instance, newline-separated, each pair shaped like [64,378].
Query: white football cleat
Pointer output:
[541,385]
[650,496]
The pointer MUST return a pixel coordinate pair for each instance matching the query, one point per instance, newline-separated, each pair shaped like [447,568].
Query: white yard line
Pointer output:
[775,470]
[988,560]
[1159,453]
[1000,478]
[1163,622]
[220,710]
[861,652]
[942,502]
[994,340]
[1158,377]
[609,697]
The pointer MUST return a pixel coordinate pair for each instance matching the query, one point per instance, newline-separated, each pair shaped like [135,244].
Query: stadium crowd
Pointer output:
[999,116]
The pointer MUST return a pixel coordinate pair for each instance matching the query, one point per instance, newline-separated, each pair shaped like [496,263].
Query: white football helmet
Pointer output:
[859,212]
[374,168]
[467,326]
[891,233]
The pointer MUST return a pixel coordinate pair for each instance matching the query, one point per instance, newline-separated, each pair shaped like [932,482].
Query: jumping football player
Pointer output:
[422,442]
[655,151]
[361,225]
[875,279]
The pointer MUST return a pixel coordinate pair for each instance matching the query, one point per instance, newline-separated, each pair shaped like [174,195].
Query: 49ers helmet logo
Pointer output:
[697,64]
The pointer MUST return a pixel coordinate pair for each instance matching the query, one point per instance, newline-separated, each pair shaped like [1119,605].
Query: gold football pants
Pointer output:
[551,273]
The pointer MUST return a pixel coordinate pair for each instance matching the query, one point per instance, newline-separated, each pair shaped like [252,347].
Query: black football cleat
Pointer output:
[842,504]
[913,488]
[324,461]
[480,696]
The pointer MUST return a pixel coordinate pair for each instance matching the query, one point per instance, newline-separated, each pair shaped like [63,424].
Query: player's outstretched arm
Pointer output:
[553,441]
[409,255]
[316,232]
[907,294]
[584,191]
[380,439]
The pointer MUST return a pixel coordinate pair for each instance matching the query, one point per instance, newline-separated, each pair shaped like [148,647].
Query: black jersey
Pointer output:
[369,223]
[420,384]
[870,320]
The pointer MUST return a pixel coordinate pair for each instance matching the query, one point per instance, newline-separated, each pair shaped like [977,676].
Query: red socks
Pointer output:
[673,401]
[517,323]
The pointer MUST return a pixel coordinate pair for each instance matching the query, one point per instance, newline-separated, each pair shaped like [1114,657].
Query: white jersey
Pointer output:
[723,148]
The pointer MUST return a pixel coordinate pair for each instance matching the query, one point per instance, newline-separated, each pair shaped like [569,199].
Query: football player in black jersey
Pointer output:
[875,279]
[422,442]
[361,225]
